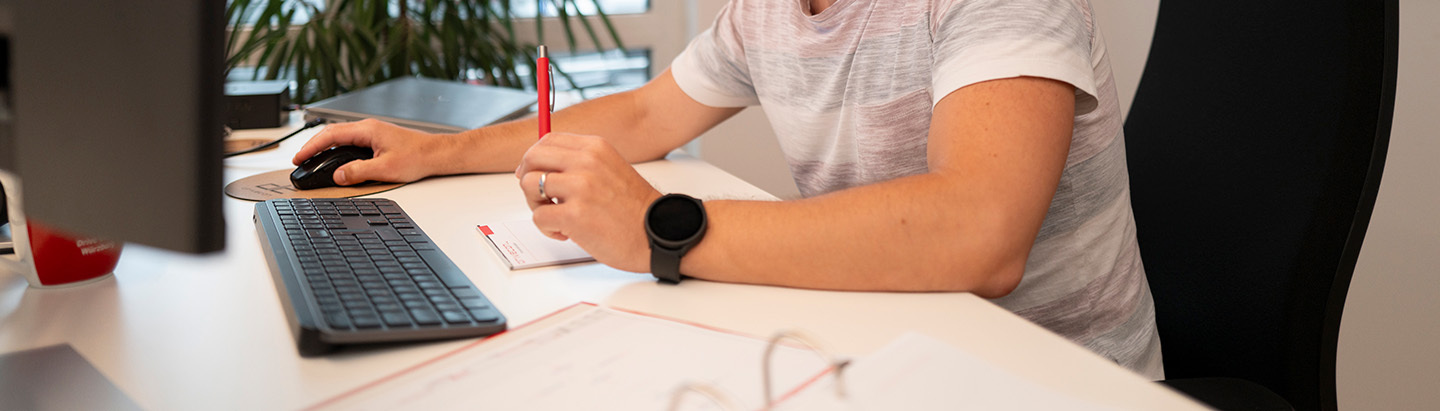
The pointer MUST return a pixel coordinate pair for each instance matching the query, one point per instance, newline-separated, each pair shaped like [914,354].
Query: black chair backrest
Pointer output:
[1255,145]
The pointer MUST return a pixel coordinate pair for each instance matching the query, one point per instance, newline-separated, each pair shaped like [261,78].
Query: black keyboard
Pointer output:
[352,271]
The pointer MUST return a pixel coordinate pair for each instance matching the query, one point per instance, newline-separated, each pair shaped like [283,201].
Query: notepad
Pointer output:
[522,245]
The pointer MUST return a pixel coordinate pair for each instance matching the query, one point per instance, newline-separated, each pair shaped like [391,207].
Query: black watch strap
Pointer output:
[665,264]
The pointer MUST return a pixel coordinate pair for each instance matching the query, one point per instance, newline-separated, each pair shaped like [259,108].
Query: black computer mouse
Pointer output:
[319,171]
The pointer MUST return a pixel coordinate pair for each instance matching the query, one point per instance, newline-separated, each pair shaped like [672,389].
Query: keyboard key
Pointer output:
[465,292]
[389,235]
[338,320]
[426,317]
[455,316]
[395,319]
[484,315]
[352,297]
[366,321]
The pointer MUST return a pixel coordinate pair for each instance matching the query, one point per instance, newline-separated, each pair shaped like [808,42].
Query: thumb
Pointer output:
[354,172]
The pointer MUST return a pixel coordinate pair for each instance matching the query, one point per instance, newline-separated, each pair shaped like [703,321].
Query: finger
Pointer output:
[543,157]
[559,143]
[550,222]
[359,171]
[554,190]
[530,187]
[318,143]
[334,135]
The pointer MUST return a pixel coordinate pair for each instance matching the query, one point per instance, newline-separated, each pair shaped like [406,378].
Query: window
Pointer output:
[652,33]
[526,8]
[521,8]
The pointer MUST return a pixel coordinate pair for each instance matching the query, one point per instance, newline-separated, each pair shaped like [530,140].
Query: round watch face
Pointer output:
[675,218]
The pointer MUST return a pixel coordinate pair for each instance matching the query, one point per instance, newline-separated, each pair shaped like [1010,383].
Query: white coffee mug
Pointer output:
[49,257]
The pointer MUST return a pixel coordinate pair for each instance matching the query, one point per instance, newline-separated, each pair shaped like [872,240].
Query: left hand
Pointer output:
[600,198]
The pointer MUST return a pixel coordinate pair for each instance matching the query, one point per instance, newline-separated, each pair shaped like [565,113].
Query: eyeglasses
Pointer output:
[728,402]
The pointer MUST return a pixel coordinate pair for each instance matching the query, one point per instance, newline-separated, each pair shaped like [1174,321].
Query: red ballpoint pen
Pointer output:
[542,85]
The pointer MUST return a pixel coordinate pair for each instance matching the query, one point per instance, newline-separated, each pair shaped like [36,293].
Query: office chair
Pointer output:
[1255,146]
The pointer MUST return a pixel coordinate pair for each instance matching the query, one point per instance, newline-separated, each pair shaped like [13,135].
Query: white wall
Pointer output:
[1390,334]
[1126,26]
[1389,355]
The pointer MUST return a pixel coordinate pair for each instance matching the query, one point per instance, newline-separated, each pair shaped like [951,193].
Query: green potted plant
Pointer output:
[347,45]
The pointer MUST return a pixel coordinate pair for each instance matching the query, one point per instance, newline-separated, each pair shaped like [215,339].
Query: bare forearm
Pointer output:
[996,153]
[921,233]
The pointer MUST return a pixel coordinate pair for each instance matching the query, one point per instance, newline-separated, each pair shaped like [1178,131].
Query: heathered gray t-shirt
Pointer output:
[850,93]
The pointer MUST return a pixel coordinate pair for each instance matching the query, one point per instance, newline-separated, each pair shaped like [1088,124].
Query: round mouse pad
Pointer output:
[276,184]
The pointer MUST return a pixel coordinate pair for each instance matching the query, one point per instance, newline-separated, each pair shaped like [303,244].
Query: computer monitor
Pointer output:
[116,124]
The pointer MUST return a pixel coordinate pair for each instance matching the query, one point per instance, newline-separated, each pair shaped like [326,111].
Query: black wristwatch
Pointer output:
[674,223]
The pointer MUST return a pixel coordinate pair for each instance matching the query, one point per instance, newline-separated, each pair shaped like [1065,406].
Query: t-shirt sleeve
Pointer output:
[981,40]
[712,69]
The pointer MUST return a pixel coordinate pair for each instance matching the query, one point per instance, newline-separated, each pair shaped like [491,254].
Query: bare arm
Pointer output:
[642,124]
[996,152]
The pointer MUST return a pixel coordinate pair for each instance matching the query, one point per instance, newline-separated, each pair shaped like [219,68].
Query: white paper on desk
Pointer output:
[522,245]
[584,358]
[916,372]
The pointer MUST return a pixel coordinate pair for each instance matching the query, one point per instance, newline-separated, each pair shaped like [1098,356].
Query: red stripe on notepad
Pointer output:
[486,229]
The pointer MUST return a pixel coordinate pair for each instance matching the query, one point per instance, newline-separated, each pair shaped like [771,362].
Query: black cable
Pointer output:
[307,126]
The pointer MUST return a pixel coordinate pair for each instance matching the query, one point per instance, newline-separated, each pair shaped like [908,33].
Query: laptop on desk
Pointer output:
[436,106]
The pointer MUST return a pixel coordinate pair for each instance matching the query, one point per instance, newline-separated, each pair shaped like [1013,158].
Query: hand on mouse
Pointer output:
[402,155]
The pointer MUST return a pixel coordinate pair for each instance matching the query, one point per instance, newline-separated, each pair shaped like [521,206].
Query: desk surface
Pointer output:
[177,331]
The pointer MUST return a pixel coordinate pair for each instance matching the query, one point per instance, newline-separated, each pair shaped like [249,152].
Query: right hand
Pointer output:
[402,155]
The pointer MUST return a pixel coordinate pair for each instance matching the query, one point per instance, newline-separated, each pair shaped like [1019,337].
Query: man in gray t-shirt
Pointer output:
[943,145]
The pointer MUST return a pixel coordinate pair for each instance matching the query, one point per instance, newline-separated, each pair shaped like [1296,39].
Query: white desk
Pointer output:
[180,332]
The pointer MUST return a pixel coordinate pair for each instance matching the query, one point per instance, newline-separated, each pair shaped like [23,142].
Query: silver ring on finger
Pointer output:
[542,187]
